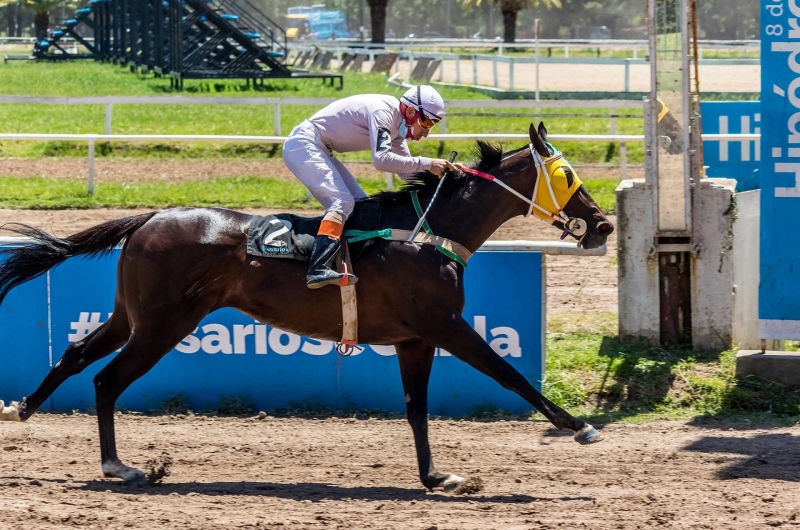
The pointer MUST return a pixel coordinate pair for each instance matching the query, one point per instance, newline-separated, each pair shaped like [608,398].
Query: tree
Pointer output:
[41,12]
[377,15]
[509,9]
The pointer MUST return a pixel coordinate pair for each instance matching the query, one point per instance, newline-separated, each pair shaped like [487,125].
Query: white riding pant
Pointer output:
[328,180]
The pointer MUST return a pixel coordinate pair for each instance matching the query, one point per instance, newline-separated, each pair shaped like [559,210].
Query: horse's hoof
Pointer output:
[588,435]
[134,478]
[11,412]
[130,475]
[452,483]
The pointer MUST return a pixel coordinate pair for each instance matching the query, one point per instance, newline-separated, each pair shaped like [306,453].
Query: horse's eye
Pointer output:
[570,176]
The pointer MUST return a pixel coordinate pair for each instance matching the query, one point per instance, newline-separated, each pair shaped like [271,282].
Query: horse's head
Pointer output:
[670,132]
[560,198]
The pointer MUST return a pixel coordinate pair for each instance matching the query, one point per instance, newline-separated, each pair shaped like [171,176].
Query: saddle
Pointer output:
[291,236]
[288,236]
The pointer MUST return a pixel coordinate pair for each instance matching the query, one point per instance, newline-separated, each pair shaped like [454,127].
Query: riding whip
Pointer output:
[414,232]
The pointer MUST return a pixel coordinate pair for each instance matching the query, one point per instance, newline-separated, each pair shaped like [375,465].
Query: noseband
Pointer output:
[572,225]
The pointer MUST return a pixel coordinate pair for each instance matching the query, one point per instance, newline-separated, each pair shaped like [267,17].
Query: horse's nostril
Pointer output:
[604,228]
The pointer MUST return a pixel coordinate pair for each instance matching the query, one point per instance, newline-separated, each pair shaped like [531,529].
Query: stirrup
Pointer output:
[346,348]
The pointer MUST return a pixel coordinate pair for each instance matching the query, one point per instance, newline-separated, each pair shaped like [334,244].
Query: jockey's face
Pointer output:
[418,132]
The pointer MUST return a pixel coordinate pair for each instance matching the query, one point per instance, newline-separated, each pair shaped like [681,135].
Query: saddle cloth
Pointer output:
[291,236]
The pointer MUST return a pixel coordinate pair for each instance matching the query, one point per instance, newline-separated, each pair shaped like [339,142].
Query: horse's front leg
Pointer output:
[455,335]
[416,359]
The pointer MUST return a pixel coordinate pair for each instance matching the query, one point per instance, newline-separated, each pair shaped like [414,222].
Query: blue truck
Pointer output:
[315,22]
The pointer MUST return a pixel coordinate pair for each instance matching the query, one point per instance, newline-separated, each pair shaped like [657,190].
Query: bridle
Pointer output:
[572,225]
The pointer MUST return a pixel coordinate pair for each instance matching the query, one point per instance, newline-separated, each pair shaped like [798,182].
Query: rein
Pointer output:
[572,225]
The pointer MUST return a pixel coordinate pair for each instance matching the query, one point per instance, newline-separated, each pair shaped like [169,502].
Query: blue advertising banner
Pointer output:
[738,159]
[230,354]
[779,287]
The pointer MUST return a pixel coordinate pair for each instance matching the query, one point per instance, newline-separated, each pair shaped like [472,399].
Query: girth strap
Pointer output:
[449,248]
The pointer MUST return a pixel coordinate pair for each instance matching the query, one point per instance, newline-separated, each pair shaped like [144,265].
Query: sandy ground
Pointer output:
[361,473]
[587,77]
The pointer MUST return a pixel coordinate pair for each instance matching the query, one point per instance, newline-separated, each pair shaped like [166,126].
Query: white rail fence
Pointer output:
[109,102]
[499,62]
[276,103]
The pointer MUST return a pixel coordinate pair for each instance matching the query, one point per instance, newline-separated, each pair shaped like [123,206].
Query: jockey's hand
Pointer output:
[440,165]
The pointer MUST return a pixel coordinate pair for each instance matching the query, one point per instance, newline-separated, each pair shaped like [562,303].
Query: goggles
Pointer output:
[424,120]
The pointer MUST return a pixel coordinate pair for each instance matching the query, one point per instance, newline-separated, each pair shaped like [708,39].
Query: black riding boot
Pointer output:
[322,265]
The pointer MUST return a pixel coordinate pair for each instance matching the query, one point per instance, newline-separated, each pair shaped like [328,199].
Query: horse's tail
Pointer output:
[30,260]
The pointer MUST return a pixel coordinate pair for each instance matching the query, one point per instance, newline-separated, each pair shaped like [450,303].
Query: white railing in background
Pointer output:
[499,45]
[499,59]
[109,101]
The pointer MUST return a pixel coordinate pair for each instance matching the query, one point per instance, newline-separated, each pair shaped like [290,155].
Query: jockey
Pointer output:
[374,122]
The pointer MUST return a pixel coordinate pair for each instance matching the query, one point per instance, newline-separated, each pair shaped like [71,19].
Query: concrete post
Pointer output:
[637,262]
[712,264]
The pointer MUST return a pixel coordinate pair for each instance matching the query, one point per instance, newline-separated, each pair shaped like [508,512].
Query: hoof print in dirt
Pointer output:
[158,468]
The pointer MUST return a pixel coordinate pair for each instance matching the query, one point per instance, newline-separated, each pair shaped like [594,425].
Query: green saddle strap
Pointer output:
[353,236]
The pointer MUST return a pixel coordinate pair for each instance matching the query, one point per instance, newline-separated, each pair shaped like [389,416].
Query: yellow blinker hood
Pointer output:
[562,191]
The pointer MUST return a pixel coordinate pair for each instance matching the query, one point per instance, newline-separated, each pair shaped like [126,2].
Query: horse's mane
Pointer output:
[489,156]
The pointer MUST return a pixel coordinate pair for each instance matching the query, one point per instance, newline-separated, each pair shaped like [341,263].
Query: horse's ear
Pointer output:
[542,131]
[537,142]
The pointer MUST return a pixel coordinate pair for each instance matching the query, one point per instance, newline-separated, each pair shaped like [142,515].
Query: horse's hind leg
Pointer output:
[149,342]
[98,344]
[416,359]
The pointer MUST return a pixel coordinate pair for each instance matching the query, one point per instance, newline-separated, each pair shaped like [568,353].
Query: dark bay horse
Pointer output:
[178,265]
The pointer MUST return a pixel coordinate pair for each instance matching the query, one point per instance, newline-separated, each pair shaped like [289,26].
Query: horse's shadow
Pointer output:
[773,456]
[313,491]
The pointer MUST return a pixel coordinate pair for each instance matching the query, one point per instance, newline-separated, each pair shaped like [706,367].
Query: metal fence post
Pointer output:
[91,166]
[108,118]
[510,73]
[441,70]
[389,181]
[410,62]
[474,69]
[458,69]
[627,75]
[536,26]
[276,119]
[494,70]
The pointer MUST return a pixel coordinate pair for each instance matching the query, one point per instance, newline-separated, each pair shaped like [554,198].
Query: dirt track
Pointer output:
[349,473]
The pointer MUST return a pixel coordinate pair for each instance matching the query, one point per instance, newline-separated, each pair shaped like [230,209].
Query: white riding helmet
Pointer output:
[432,102]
